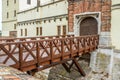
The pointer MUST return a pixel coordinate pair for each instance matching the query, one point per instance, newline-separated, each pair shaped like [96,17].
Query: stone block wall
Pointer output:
[82,6]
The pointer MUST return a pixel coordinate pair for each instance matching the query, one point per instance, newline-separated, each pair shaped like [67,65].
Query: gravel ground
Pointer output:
[59,73]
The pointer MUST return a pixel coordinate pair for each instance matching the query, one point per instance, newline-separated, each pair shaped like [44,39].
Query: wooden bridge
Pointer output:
[38,53]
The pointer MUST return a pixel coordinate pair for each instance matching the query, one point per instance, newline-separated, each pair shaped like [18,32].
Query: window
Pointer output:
[28,1]
[25,32]
[7,2]
[49,21]
[13,33]
[14,1]
[54,20]
[7,15]
[66,18]
[64,30]
[59,30]
[40,30]
[21,32]
[14,26]
[60,19]
[44,21]
[14,13]
[37,30]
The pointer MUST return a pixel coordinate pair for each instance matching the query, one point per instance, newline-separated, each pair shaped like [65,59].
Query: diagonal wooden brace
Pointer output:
[66,67]
[79,67]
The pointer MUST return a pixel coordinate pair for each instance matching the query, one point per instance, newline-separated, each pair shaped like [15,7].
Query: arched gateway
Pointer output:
[89,26]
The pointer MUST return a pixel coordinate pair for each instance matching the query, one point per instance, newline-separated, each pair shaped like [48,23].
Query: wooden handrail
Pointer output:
[28,55]
[4,40]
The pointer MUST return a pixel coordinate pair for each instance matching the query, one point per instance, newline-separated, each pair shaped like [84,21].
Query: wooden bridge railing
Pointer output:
[41,54]
[7,39]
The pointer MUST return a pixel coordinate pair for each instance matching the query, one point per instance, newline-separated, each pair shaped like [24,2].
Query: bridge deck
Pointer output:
[37,53]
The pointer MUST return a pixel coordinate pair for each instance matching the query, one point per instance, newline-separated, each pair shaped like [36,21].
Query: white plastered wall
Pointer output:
[115,24]
[8,23]
[24,6]
[48,28]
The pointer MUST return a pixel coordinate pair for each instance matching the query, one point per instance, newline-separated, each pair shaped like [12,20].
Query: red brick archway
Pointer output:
[88,26]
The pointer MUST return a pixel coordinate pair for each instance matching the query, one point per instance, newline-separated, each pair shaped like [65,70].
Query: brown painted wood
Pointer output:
[66,67]
[12,39]
[79,67]
[40,54]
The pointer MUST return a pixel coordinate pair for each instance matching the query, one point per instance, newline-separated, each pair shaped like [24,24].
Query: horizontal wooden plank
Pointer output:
[44,52]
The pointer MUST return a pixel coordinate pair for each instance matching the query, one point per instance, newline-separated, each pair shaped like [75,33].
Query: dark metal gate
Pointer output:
[89,26]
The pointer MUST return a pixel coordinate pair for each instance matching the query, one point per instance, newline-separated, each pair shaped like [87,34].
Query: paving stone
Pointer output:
[8,73]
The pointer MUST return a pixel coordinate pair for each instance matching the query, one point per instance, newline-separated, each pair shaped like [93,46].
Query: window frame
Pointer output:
[64,30]
[14,13]
[58,30]
[37,31]
[14,1]
[40,30]
[7,14]
[15,26]
[25,32]
[29,2]
[21,32]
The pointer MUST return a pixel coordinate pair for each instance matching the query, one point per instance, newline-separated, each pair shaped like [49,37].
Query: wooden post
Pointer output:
[51,51]
[62,49]
[38,53]
[20,56]
[78,45]
[71,43]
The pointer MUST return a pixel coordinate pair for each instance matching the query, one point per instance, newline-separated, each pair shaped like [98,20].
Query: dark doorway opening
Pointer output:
[88,26]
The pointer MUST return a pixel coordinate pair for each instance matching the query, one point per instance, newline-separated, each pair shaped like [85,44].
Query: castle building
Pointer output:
[35,18]
[9,17]
[115,38]
[115,23]
[78,17]
[44,19]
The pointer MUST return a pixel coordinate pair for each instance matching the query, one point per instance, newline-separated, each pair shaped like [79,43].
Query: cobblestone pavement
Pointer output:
[8,73]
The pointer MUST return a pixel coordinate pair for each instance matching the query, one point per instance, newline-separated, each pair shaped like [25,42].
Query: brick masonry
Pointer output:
[81,6]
